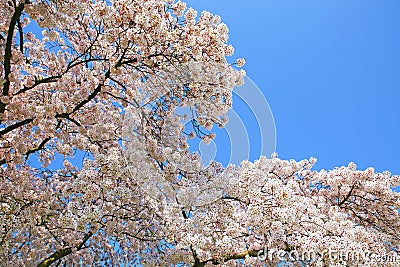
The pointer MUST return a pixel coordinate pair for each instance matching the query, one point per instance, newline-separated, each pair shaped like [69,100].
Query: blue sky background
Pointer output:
[330,71]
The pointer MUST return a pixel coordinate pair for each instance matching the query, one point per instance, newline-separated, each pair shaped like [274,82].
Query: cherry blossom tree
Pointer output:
[105,79]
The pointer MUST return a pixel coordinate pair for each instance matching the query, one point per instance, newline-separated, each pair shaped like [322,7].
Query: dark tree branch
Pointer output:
[37,82]
[347,196]
[59,254]
[235,199]
[66,116]
[55,78]
[92,95]
[7,51]
[39,147]
[21,37]
[241,256]
[15,126]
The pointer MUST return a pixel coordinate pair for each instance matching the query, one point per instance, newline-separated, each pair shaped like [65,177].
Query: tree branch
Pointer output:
[21,37]
[92,95]
[15,126]
[241,256]
[66,116]
[7,51]
[50,79]
[39,147]
[63,252]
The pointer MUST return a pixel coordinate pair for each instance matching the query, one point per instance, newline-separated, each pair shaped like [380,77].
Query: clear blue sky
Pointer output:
[330,71]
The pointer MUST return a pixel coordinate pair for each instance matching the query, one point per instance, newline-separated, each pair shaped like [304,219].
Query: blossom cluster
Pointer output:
[284,205]
[99,87]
